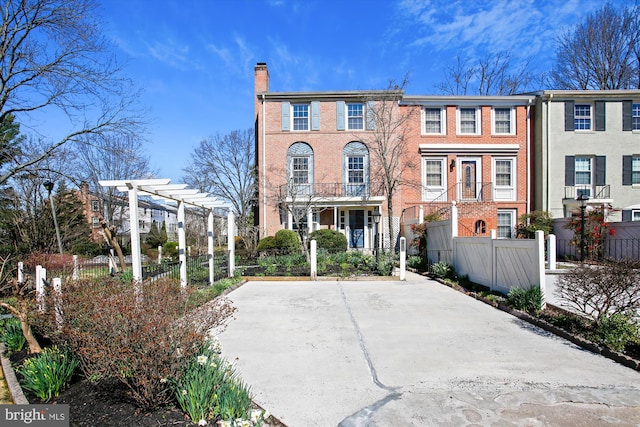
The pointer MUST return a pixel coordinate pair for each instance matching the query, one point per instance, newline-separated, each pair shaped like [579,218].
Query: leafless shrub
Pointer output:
[601,290]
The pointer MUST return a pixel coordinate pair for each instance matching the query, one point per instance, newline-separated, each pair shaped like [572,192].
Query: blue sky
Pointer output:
[194,59]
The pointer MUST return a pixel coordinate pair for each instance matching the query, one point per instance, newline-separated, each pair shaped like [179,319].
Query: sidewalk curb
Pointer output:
[12,381]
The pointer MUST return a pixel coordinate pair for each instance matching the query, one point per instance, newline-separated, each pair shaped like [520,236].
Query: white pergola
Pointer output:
[163,189]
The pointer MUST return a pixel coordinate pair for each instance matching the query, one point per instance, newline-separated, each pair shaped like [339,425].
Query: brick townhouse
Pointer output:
[315,169]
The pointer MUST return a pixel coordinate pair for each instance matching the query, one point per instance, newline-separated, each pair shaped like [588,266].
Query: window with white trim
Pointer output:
[504,178]
[95,222]
[582,117]
[469,120]
[300,170]
[503,119]
[300,114]
[583,175]
[635,215]
[635,117]
[355,116]
[95,205]
[355,169]
[434,178]
[434,121]
[506,223]
[635,170]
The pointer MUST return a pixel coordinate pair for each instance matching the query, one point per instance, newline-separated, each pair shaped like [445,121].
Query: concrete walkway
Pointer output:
[414,353]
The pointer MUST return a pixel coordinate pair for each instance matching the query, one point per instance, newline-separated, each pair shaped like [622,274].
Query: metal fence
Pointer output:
[609,248]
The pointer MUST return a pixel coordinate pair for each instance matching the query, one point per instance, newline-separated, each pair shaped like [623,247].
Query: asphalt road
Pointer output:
[414,353]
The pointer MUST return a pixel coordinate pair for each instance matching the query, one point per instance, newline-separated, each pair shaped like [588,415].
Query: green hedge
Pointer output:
[331,240]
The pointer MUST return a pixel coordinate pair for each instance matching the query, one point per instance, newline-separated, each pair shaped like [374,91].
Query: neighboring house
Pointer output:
[314,171]
[149,212]
[473,150]
[588,143]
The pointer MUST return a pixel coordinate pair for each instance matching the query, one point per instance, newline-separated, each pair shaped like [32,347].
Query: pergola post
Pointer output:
[182,245]
[210,245]
[231,242]
[136,261]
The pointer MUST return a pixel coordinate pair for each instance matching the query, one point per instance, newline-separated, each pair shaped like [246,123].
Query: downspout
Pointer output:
[264,171]
[528,192]
[546,160]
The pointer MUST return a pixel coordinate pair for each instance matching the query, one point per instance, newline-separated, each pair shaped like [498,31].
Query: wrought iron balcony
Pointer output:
[597,192]
[461,191]
[301,191]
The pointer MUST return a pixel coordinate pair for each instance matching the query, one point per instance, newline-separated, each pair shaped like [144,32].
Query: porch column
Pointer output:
[231,242]
[134,228]
[335,218]
[309,221]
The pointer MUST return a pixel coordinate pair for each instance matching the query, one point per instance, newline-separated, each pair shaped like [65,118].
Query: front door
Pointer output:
[356,228]
[468,179]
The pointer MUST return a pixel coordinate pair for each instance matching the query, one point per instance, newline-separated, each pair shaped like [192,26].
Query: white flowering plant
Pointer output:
[210,389]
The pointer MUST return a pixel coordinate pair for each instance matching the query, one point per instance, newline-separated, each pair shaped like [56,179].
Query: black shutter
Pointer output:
[626,114]
[626,170]
[600,116]
[626,215]
[569,171]
[569,122]
[601,170]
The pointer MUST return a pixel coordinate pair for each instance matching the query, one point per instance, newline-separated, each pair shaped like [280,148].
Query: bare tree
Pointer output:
[492,74]
[53,60]
[224,167]
[388,143]
[600,53]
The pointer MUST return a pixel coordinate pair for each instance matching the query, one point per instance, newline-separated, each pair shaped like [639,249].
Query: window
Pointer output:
[480,227]
[355,169]
[582,117]
[504,178]
[355,116]
[635,215]
[95,222]
[506,223]
[434,121]
[503,173]
[635,117]
[502,121]
[300,170]
[95,206]
[583,177]
[468,121]
[434,179]
[300,117]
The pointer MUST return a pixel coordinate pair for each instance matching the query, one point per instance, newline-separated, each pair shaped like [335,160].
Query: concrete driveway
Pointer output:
[414,353]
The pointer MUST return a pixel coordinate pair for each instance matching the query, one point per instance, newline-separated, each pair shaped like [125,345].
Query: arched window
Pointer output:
[481,227]
[300,167]
[356,169]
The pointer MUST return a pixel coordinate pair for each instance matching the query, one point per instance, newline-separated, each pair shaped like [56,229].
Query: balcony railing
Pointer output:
[331,189]
[478,191]
[591,191]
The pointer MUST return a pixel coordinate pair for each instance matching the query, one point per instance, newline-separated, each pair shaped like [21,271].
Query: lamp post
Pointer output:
[376,220]
[583,205]
[49,186]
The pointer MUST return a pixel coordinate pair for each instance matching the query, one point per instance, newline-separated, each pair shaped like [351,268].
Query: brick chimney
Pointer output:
[261,77]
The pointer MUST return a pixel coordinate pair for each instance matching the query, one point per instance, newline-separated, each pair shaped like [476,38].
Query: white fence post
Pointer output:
[403,258]
[541,272]
[210,251]
[314,260]
[41,276]
[57,288]
[551,251]
[76,268]
[20,272]
[231,242]
[159,254]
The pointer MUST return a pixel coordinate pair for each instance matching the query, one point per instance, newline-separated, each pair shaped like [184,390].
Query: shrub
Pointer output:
[530,223]
[170,249]
[442,269]
[616,331]
[267,243]
[137,335]
[602,290]
[331,240]
[529,300]
[415,262]
[88,248]
[12,336]
[48,373]
[287,240]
